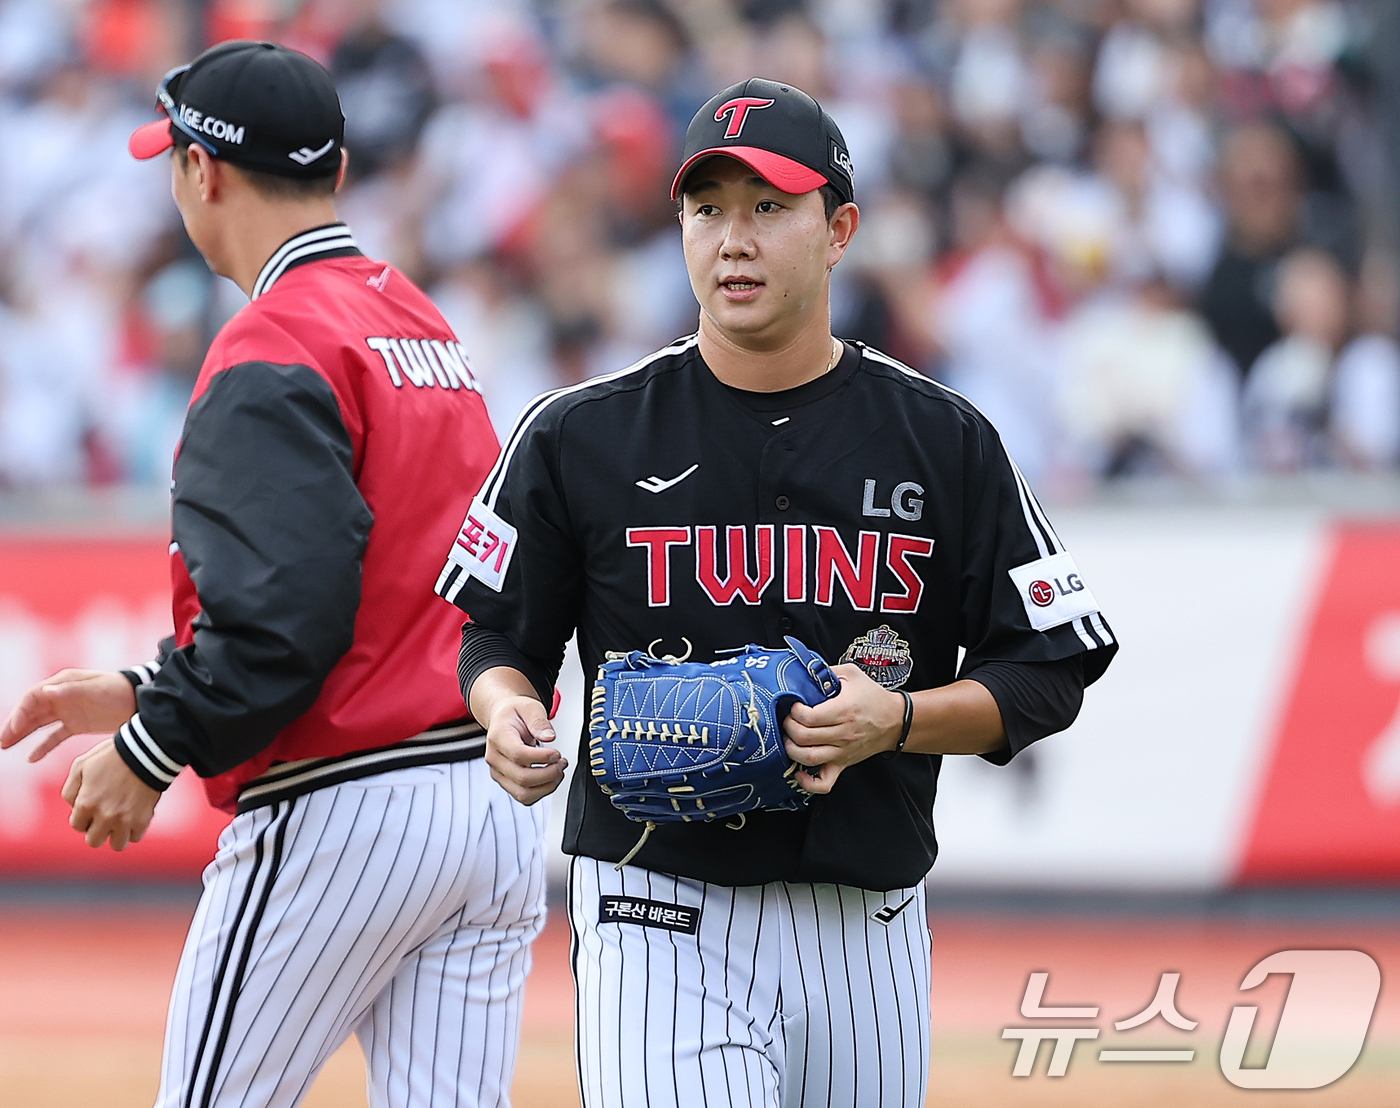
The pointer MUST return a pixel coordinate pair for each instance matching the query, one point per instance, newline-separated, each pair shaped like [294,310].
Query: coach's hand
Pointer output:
[108,800]
[80,701]
[525,769]
[862,720]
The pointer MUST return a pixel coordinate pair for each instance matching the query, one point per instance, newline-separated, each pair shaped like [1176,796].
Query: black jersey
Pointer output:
[874,514]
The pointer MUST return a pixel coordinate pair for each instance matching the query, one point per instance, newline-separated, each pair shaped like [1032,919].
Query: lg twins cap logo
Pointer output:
[484,546]
[1052,591]
[738,111]
[842,161]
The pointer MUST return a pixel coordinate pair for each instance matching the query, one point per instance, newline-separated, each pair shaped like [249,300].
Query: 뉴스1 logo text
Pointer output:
[1319,1036]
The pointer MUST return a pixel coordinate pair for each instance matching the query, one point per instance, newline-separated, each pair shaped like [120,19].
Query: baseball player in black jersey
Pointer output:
[755,480]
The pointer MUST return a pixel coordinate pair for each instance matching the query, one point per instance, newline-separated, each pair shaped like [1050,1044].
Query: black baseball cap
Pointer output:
[255,104]
[778,131]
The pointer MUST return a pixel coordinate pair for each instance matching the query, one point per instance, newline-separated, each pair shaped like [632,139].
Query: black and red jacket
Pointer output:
[331,419]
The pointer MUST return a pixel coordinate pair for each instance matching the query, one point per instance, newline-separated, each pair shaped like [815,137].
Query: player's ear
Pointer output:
[344,167]
[204,172]
[843,226]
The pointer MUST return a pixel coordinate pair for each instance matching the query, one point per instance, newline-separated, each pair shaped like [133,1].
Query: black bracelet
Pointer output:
[908,722]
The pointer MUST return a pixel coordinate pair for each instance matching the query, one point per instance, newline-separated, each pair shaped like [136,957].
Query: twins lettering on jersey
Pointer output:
[424,363]
[810,561]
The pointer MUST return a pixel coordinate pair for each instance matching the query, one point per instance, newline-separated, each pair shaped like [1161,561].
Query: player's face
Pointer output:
[758,257]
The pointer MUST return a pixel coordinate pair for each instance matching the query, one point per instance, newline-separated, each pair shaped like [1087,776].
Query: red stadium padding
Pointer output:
[91,603]
[1329,806]
[1326,792]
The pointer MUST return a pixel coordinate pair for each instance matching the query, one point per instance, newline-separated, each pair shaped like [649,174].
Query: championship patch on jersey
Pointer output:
[484,546]
[1052,591]
[649,913]
[882,655]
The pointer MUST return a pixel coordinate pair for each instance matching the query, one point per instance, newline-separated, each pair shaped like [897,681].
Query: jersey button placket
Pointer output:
[782,503]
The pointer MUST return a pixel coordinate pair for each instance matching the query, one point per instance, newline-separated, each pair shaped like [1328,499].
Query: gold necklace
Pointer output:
[837,349]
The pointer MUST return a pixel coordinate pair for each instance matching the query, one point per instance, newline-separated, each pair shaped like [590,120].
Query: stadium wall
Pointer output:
[1249,731]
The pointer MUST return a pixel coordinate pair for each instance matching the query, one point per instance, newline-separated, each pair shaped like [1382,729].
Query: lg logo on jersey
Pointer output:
[1042,594]
[811,562]
[902,501]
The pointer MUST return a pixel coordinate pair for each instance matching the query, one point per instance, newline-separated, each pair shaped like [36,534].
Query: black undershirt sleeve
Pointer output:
[272,530]
[1035,699]
[484,649]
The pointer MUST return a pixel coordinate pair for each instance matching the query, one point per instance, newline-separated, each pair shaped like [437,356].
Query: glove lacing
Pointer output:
[756,722]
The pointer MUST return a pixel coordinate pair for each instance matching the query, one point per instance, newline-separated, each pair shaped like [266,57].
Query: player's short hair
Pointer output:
[270,185]
[830,201]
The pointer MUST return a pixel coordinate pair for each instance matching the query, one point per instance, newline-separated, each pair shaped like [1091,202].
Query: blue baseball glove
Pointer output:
[676,741]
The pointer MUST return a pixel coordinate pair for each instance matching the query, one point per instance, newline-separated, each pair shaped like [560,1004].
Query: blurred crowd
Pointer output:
[1144,236]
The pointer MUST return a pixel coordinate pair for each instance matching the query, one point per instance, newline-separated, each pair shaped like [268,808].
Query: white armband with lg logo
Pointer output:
[484,546]
[1052,591]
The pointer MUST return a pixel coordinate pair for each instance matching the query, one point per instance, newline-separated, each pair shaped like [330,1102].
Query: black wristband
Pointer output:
[908,722]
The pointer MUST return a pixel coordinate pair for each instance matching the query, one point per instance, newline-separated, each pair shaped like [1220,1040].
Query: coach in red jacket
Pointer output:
[311,681]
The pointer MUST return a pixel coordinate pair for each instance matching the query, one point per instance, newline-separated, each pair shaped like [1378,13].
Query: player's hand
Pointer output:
[862,720]
[108,800]
[524,768]
[80,701]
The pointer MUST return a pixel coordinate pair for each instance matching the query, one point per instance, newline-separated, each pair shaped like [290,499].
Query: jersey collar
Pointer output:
[334,240]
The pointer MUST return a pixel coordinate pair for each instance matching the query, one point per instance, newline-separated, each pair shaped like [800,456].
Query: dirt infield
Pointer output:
[83,993]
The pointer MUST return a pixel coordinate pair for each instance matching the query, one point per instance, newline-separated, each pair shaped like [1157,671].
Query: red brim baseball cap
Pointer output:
[778,131]
[152,139]
[778,171]
[254,104]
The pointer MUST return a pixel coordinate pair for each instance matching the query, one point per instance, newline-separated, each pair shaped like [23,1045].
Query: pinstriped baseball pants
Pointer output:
[785,995]
[399,907]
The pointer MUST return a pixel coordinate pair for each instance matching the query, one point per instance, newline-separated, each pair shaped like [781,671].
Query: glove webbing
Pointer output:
[595,744]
